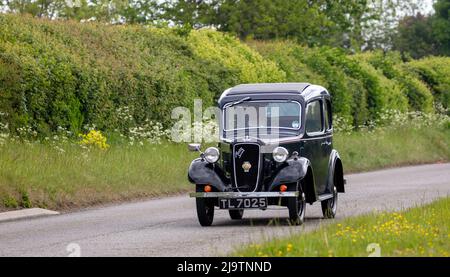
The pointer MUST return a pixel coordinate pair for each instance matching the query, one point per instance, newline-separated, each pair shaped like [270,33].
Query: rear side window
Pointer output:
[314,122]
[327,115]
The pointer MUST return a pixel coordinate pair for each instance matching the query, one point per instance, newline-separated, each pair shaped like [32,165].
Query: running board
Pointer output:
[324,197]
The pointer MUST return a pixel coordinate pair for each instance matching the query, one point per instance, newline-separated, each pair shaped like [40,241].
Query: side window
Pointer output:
[314,122]
[327,115]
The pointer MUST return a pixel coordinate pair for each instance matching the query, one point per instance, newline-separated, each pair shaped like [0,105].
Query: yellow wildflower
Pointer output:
[94,138]
[289,247]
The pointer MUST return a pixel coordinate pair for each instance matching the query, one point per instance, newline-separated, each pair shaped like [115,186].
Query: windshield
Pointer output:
[262,114]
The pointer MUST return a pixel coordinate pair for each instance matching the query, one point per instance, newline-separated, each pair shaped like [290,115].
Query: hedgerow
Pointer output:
[64,74]
[248,65]
[435,72]
[303,64]
[69,74]
[419,95]
[359,90]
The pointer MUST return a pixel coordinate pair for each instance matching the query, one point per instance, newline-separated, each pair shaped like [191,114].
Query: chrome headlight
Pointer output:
[280,154]
[212,155]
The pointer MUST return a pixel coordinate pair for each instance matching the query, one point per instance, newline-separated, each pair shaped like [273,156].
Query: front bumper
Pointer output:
[243,194]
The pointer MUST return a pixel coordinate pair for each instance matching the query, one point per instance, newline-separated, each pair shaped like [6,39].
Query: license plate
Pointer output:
[243,203]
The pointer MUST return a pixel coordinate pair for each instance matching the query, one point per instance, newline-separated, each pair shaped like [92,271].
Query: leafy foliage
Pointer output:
[248,66]
[435,72]
[63,74]
[69,74]
[419,35]
[415,37]
[359,89]
[353,25]
[419,95]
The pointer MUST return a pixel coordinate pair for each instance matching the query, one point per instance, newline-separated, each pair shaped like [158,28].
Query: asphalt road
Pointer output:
[168,227]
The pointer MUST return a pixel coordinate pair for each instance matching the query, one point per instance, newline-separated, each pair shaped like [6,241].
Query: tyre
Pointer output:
[297,208]
[236,214]
[205,211]
[329,206]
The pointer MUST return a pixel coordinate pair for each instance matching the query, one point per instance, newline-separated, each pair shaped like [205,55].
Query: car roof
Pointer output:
[304,90]
[268,87]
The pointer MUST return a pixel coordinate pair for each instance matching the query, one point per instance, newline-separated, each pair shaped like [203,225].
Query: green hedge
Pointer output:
[248,65]
[435,72]
[69,74]
[364,84]
[359,90]
[418,93]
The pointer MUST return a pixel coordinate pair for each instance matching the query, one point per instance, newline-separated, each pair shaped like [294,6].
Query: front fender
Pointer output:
[335,167]
[294,171]
[201,172]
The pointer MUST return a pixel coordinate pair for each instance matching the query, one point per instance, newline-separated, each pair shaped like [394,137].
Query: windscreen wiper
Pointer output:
[240,101]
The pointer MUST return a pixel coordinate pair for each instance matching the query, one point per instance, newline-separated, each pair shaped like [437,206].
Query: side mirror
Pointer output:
[194,147]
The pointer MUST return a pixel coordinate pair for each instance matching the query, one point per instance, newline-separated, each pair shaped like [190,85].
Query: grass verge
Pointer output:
[362,151]
[66,176]
[420,231]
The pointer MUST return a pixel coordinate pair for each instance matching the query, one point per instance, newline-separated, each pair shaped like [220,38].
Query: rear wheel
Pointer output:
[236,214]
[297,208]
[329,206]
[205,211]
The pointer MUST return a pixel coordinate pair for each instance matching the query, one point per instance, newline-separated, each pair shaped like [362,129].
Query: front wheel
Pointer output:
[205,211]
[297,208]
[236,214]
[329,206]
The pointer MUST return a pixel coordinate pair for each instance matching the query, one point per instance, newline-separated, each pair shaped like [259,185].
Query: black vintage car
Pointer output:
[276,148]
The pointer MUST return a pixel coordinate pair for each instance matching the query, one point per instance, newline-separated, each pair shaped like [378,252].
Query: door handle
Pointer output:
[326,143]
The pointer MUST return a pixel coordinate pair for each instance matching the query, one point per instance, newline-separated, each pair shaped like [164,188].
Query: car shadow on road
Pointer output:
[263,221]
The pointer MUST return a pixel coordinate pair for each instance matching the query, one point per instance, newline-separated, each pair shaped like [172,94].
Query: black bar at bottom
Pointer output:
[229,266]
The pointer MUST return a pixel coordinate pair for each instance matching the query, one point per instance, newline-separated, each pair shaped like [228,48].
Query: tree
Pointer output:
[112,11]
[141,11]
[383,18]
[266,19]
[415,36]
[319,22]
[38,8]
[441,26]
[420,35]
[189,13]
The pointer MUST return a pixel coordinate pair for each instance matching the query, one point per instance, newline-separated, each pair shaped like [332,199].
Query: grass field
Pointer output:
[420,231]
[382,148]
[65,176]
